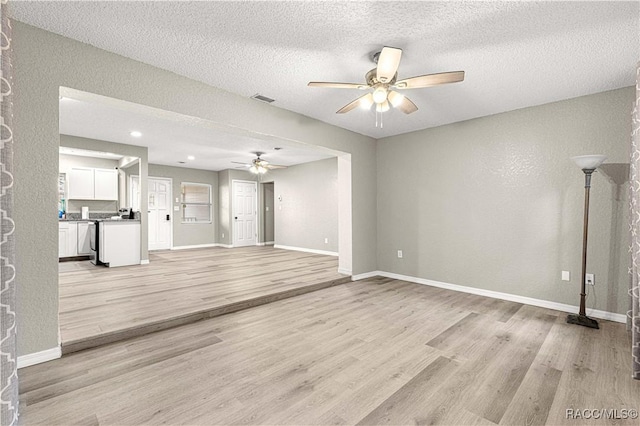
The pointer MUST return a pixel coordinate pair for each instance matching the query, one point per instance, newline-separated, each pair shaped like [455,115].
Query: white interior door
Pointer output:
[244,213]
[159,194]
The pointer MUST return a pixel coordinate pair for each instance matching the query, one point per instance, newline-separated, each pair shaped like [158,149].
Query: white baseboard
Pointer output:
[266,243]
[345,272]
[326,253]
[366,275]
[195,246]
[39,357]
[611,316]
[144,262]
[224,245]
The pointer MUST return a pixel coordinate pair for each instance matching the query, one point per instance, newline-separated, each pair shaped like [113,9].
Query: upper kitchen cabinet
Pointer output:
[81,184]
[87,183]
[106,184]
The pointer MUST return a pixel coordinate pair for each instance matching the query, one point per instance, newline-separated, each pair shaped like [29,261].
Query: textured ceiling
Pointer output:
[515,54]
[171,138]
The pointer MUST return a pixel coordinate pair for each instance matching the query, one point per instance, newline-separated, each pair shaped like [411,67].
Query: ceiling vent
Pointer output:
[261,98]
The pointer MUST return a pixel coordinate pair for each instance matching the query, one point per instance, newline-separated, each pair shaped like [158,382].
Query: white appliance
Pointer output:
[118,242]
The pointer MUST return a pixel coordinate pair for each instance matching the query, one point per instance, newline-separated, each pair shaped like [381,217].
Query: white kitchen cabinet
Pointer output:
[93,184]
[106,184]
[81,183]
[84,246]
[119,242]
[67,239]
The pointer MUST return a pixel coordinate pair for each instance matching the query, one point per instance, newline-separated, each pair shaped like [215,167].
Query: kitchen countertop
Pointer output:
[101,220]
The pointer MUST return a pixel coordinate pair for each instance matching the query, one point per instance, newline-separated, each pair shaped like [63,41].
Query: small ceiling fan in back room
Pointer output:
[259,166]
[382,82]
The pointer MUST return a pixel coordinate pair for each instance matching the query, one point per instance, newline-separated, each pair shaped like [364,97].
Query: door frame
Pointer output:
[255,208]
[172,214]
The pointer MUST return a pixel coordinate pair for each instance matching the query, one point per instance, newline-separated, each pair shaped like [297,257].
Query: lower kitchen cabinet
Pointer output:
[84,243]
[73,239]
[67,239]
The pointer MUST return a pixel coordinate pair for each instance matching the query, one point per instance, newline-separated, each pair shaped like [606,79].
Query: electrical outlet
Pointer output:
[566,276]
[399,254]
[326,241]
[223,235]
[590,279]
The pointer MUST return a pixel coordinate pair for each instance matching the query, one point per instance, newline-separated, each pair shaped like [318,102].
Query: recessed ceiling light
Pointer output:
[136,134]
[191,157]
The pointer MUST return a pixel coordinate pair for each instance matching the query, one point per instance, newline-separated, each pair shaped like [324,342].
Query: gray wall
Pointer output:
[75,206]
[495,203]
[308,212]
[44,62]
[188,234]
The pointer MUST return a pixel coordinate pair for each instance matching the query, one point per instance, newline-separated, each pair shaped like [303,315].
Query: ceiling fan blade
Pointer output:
[430,80]
[332,85]
[388,63]
[402,103]
[368,98]
[244,164]
[276,166]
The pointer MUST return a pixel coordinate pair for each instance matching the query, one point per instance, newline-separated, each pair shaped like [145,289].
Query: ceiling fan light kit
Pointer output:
[258,166]
[383,79]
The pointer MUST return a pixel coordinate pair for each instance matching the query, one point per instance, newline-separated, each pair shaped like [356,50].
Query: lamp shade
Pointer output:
[589,162]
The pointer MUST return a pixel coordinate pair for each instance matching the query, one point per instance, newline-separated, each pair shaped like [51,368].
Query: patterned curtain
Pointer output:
[633,321]
[9,375]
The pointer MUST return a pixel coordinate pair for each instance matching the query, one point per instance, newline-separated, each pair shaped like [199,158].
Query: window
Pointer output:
[196,202]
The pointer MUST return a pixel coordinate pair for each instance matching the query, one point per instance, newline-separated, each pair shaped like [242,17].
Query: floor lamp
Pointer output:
[588,164]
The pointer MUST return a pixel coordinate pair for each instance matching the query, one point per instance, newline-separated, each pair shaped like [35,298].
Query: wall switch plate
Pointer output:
[590,279]
[177,200]
[326,241]
[223,235]
[566,276]
[176,208]
[399,254]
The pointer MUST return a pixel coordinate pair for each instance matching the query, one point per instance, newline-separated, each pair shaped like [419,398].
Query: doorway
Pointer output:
[245,231]
[268,214]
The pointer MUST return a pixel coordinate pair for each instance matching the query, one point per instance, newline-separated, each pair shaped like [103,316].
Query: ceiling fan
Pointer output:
[258,165]
[383,80]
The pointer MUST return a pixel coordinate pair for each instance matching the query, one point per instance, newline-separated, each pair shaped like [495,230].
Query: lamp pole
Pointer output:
[588,164]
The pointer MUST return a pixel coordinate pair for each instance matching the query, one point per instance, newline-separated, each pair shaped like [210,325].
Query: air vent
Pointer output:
[259,97]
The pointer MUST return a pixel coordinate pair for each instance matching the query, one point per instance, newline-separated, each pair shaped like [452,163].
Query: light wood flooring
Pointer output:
[371,352]
[100,305]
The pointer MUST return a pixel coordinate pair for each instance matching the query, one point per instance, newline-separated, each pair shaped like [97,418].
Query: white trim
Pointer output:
[267,243]
[326,253]
[144,262]
[611,316]
[366,275]
[345,272]
[195,246]
[39,357]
